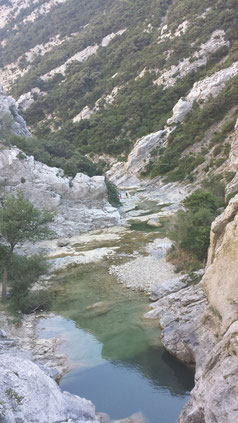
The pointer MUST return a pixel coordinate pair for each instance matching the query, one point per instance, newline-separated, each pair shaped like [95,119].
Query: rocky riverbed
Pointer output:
[21,343]
[193,327]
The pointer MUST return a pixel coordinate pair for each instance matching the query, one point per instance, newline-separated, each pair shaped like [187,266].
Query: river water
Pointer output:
[117,357]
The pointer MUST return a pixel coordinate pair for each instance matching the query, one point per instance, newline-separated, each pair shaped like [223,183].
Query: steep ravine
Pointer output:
[199,322]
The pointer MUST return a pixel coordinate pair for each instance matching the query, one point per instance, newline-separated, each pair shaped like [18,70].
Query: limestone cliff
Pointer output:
[200,327]
[80,204]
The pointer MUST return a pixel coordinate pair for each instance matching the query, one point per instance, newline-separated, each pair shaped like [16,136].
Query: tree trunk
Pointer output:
[4,284]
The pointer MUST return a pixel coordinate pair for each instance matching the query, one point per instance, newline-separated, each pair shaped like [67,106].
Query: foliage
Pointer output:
[140,107]
[171,161]
[19,221]
[57,154]
[113,194]
[215,185]
[191,229]
[182,260]
[231,195]
[24,272]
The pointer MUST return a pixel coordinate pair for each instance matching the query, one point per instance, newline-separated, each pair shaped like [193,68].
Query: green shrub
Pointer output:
[229,176]
[112,193]
[215,185]
[191,228]
[231,195]
[24,272]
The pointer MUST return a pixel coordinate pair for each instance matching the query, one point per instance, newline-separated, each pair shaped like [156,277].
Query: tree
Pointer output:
[19,221]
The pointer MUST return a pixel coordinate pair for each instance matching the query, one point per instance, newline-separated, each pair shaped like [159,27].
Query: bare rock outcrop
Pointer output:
[21,380]
[202,91]
[80,204]
[200,327]
[220,281]
[10,120]
[127,173]
[233,162]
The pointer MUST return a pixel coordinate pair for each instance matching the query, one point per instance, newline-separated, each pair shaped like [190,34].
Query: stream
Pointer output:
[117,358]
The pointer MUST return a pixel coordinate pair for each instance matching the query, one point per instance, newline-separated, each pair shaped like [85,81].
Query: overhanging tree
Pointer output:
[19,221]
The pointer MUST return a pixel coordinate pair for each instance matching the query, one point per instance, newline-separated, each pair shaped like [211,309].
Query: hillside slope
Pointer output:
[111,72]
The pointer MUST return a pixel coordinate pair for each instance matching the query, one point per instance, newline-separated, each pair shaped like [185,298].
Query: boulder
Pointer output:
[29,395]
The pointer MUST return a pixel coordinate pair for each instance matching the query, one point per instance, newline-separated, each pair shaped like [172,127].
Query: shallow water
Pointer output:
[119,362]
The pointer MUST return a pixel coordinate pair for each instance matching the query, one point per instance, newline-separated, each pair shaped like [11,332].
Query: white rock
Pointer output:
[26,100]
[80,204]
[126,172]
[202,91]
[10,120]
[180,110]
[170,76]
[29,395]
[82,55]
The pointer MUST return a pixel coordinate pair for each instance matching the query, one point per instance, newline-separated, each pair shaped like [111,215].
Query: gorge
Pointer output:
[146,94]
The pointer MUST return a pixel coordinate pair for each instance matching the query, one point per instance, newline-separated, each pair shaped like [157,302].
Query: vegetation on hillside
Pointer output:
[140,107]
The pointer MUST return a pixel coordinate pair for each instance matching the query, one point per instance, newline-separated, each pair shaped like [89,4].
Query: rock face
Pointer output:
[126,173]
[202,91]
[26,100]
[80,204]
[21,380]
[221,275]
[233,162]
[199,58]
[10,120]
[200,327]
[83,55]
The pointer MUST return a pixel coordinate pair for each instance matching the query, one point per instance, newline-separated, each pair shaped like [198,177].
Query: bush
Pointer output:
[24,272]
[112,193]
[216,187]
[191,229]
[230,196]
[201,199]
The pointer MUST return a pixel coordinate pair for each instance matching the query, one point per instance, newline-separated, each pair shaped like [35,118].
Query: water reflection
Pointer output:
[120,362]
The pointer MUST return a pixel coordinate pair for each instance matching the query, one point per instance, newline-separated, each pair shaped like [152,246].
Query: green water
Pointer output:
[143,227]
[118,360]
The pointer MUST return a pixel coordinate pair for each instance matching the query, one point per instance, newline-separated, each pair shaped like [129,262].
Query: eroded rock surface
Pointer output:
[80,204]
[200,327]
[10,120]
[21,380]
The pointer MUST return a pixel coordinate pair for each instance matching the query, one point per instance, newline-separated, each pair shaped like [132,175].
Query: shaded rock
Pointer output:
[179,314]
[26,100]
[62,242]
[202,330]
[21,380]
[220,281]
[127,173]
[180,110]
[3,333]
[202,91]
[167,287]
[10,120]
